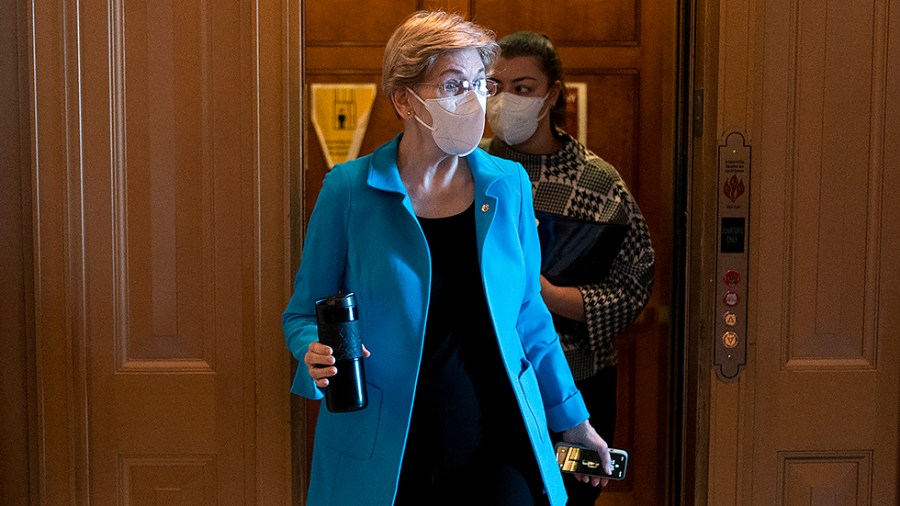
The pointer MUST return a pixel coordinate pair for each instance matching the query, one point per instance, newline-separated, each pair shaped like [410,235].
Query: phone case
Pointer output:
[580,460]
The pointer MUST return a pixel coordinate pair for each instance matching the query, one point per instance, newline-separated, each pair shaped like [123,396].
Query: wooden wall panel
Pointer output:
[613,117]
[567,22]
[371,27]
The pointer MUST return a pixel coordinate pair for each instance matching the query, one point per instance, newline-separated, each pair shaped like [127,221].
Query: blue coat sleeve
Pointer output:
[563,403]
[321,273]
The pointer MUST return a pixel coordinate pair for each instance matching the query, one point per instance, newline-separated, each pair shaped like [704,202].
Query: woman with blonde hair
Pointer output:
[437,240]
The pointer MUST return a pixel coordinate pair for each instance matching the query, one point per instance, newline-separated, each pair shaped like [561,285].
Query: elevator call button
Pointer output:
[729,318]
[729,339]
[730,298]
[731,277]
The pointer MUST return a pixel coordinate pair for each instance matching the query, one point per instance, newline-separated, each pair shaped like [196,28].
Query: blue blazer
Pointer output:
[364,237]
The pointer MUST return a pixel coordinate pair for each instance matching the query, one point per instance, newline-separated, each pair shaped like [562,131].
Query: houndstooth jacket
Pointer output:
[576,182]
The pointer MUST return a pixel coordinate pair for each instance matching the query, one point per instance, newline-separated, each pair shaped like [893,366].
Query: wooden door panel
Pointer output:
[624,52]
[158,296]
[170,72]
[177,481]
[814,416]
[807,478]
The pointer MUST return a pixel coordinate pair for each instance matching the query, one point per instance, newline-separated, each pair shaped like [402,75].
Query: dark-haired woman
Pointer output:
[527,115]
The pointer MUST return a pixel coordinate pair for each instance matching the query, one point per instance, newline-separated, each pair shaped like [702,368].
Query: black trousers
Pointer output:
[599,393]
[497,483]
[483,465]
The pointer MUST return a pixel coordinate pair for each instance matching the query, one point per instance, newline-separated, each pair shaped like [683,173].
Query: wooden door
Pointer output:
[161,146]
[624,52]
[813,418]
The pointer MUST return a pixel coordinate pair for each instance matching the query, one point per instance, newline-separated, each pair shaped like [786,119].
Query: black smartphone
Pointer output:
[577,459]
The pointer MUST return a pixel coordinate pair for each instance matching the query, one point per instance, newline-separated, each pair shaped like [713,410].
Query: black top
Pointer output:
[464,404]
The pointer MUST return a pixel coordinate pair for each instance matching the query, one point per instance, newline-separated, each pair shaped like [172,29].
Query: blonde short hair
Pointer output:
[423,37]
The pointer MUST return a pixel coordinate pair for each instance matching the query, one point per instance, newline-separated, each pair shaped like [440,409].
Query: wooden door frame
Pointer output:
[18,443]
[694,225]
[685,450]
[296,187]
[700,136]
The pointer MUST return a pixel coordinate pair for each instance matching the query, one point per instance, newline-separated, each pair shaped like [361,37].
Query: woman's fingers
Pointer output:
[320,362]
[319,359]
[319,355]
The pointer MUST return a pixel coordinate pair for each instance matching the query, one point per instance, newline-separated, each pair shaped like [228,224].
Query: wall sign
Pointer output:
[576,111]
[340,115]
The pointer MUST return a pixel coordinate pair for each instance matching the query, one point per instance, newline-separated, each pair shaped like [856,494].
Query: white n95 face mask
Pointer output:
[514,118]
[457,121]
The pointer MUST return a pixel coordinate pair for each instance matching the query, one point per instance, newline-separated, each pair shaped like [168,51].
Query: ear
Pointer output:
[555,90]
[401,99]
[552,96]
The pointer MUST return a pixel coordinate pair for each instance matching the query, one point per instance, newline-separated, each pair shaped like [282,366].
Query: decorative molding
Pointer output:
[834,163]
[122,210]
[167,479]
[825,477]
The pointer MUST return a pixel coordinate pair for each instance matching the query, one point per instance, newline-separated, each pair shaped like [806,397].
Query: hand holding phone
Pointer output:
[580,460]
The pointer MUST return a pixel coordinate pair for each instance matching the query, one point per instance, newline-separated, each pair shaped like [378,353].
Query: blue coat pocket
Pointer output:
[352,433]
[531,392]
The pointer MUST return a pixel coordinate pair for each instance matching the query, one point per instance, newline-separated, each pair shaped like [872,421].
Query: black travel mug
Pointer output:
[339,328]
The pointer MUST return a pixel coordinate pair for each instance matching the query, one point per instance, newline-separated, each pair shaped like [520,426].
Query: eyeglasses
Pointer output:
[454,87]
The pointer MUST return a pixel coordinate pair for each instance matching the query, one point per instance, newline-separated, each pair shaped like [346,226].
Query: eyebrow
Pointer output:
[456,71]
[517,80]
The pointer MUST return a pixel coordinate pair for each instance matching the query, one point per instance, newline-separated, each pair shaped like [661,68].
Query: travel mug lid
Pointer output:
[338,301]
[340,307]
